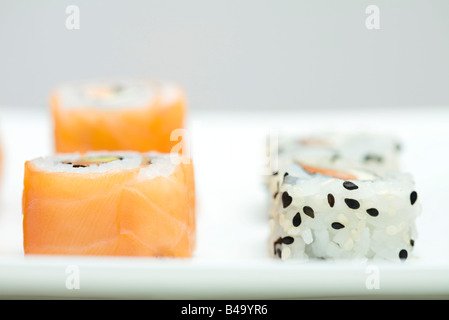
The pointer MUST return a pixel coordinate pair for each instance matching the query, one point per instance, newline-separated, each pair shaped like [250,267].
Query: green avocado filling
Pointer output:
[86,162]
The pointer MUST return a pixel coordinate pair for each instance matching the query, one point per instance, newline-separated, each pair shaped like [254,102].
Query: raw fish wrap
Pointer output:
[125,114]
[109,203]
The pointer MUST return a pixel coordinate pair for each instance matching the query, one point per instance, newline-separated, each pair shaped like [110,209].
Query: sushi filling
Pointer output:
[87,162]
[314,142]
[146,161]
[104,92]
[154,164]
[328,172]
[108,95]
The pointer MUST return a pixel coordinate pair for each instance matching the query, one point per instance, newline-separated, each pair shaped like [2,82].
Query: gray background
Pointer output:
[233,54]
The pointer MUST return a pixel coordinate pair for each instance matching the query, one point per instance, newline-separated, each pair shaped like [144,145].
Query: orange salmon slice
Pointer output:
[116,213]
[329,172]
[143,128]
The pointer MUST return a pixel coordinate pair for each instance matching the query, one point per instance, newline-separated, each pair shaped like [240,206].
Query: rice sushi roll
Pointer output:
[377,153]
[325,213]
[123,114]
[367,150]
[109,203]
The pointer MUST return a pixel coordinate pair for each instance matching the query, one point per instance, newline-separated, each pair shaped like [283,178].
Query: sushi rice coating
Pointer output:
[371,218]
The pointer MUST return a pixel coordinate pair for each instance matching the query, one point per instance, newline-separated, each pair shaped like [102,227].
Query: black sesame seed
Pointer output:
[373,157]
[335,157]
[403,254]
[117,88]
[278,251]
[372,212]
[287,240]
[275,173]
[351,203]
[275,194]
[285,174]
[286,199]
[331,200]
[337,225]
[412,242]
[309,211]
[413,197]
[296,220]
[278,241]
[78,166]
[350,185]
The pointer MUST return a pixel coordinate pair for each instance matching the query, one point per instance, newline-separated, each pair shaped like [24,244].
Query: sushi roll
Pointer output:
[340,151]
[109,203]
[377,152]
[325,213]
[123,114]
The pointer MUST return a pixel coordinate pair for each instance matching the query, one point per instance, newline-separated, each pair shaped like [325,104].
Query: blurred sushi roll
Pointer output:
[366,150]
[109,203]
[341,151]
[123,114]
[327,213]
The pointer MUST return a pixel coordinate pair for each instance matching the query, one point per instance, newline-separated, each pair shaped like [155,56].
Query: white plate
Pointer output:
[231,260]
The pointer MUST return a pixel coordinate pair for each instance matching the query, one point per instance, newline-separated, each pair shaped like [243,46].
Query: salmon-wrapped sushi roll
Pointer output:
[109,203]
[125,114]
